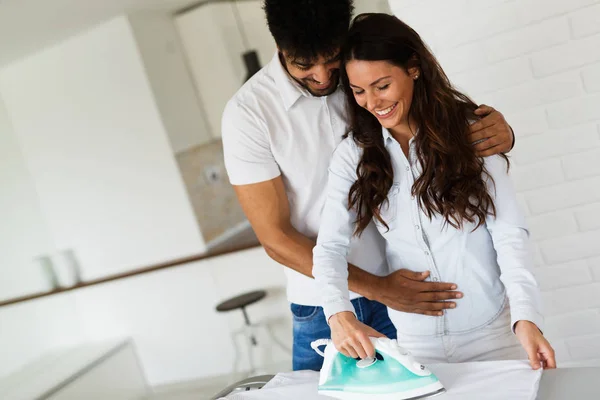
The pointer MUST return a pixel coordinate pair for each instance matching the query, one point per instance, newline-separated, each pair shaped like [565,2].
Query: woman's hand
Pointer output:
[535,344]
[351,337]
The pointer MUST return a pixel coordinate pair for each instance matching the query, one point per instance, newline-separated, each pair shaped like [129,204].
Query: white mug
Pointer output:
[67,268]
[46,266]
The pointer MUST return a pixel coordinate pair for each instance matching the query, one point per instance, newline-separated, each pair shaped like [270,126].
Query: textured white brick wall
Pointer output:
[538,61]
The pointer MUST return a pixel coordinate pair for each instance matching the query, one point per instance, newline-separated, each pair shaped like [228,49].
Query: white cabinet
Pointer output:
[172,84]
[214,47]
[89,128]
[370,6]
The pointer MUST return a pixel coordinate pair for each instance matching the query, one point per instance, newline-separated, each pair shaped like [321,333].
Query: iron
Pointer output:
[392,375]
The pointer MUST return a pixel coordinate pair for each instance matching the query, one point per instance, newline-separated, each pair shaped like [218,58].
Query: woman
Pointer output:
[409,166]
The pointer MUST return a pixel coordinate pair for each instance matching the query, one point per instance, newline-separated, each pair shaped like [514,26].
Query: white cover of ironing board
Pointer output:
[490,380]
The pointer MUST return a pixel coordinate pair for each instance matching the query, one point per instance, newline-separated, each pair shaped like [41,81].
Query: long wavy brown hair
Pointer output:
[452,183]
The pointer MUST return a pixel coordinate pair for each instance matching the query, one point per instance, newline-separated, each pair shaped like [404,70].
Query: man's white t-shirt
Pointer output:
[272,126]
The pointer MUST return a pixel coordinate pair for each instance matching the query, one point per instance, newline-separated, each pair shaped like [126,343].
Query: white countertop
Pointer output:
[55,368]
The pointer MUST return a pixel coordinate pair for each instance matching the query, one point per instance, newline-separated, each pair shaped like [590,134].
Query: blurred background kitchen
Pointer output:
[119,231]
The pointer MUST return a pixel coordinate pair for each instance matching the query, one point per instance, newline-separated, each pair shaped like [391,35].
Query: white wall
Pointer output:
[109,187]
[538,62]
[23,230]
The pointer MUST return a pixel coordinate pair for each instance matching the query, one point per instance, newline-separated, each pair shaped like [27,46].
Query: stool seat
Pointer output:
[241,301]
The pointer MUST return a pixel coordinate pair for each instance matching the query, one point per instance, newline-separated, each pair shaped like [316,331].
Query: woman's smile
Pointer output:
[386,112]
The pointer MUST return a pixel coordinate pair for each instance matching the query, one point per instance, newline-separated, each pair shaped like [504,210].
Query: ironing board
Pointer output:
[494,380]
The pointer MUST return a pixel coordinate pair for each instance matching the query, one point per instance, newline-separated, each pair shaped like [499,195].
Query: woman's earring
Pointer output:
[416,77]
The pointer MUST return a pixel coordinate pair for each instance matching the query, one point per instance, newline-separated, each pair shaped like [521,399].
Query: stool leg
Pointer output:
[236,361]
[247,320]
[251,342]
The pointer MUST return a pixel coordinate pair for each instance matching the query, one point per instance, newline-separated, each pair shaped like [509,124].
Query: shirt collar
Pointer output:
[388,138]
[386,135]
[290,89]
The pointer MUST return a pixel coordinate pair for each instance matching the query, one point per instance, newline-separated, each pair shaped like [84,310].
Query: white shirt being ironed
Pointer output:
[271,127]
[488,264]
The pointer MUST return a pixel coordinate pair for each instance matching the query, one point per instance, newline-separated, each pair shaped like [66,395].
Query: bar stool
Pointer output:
[241,302]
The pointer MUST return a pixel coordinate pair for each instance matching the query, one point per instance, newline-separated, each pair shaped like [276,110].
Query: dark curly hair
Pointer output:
[306,29]
[452,183]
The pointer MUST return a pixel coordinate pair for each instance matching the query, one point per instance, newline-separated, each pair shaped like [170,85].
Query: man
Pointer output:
[279,131]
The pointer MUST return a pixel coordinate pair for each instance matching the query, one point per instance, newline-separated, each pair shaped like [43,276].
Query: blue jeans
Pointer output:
[310,325]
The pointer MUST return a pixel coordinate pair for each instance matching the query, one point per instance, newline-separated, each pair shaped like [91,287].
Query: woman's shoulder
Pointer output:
[346,156]
[497,163]
[348,147]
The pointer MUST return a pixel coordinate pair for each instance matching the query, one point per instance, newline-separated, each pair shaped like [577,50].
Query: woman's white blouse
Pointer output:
[488,264]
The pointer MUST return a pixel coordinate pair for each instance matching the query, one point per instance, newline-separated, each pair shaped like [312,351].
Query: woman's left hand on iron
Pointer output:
[535,344]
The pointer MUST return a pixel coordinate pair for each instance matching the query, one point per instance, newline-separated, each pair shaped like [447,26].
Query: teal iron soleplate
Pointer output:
[393,375]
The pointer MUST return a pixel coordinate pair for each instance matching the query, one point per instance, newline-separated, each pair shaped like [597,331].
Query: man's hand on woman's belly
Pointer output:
[407,291]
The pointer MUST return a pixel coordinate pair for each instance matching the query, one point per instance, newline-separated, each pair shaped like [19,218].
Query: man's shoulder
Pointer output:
[257,95]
